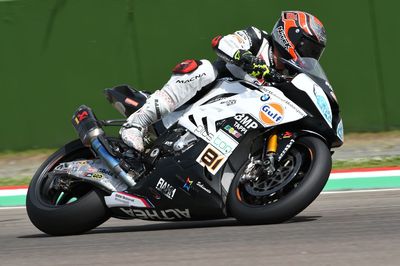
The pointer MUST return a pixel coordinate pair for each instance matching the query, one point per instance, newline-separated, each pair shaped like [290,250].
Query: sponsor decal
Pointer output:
[169,214]
[201,185]
[245,122]
[192,78]
[188,184]
[165,188]
[232,131]
[265,97]
[223,142]
[121,199]
[229,102]
[157,107]
[94,175]
[287,134]
[81,116]
[216,99]
[91,170]
[105,171]
[212,159]
[282,37]
[202,131]
[287,102]
[239,127]
[125,199]
[286,149]
[271,114]
[323,104]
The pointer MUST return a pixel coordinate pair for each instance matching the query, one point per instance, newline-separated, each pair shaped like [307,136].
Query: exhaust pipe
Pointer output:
[90,132]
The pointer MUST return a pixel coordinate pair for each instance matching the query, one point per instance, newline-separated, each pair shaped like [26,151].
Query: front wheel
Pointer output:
[296,183]
[59,205]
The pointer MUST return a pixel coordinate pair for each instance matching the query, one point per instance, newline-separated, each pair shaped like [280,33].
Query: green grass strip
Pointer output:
[15,181]
[5,154]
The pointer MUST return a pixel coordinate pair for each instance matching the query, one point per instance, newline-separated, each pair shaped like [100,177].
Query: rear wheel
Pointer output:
[298,180]
[59,205]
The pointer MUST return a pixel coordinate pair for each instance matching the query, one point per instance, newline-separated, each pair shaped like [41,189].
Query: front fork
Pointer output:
[275,146]
[269,151]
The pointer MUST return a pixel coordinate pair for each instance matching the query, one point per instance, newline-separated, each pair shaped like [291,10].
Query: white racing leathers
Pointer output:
[190,76]
[179,89]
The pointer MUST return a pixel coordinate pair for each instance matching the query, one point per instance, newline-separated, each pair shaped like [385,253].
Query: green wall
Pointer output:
[58,54]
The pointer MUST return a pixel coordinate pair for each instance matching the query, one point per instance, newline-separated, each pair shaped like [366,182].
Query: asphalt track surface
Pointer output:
[355,228]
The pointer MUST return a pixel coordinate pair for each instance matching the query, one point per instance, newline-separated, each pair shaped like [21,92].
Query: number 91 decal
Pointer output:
[212,159]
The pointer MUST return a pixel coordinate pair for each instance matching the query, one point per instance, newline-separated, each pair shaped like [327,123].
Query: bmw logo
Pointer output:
[265,97]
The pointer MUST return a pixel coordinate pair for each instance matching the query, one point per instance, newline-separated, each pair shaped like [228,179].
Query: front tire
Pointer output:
[56,212]
[294,197]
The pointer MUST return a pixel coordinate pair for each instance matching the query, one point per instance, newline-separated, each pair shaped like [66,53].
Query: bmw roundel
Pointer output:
[265,97]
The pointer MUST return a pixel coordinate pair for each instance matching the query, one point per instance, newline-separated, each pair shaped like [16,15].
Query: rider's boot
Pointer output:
[157,106]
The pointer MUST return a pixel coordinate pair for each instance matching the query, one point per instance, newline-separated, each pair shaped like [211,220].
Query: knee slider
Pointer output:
[186,66]
[204,74]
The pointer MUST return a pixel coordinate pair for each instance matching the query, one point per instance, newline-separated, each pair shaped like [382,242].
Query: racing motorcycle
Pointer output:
[260,154]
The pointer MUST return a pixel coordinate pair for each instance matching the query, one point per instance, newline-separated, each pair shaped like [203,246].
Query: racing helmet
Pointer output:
[298,34]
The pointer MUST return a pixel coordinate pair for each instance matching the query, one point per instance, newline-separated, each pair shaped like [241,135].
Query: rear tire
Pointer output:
[292,198]
[44,209]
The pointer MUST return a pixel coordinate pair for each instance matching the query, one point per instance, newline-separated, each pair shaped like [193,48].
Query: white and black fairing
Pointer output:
[323,106]
[189,172]
[177,184]
[178,187]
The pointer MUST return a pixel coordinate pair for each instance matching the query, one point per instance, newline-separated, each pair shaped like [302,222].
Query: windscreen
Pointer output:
[306,65]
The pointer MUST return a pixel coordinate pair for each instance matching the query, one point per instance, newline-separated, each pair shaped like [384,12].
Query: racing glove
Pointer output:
[274,76]
[253,65]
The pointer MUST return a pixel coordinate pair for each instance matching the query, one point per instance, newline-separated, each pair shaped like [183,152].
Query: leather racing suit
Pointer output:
[236,52]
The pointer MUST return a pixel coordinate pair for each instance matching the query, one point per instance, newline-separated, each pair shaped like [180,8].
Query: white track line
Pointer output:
[13,192]
[372,174]
[12,208]
[360,191]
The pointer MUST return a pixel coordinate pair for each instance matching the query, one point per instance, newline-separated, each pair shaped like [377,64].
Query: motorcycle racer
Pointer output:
[249,54]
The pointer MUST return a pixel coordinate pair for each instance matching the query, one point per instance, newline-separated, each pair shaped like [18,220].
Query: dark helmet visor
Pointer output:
[309,48]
